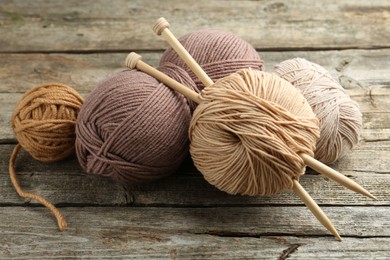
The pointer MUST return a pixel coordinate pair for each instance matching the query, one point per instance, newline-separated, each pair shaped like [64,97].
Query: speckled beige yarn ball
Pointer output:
[248,132]
[339,116]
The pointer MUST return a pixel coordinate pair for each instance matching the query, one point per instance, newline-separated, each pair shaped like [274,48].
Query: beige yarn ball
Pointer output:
[339,116]
[248,131]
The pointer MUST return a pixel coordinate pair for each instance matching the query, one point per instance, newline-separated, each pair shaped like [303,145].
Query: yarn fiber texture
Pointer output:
[218,53]
[44,124]
[339,116]
[44,121]
[132,128]
[248,131]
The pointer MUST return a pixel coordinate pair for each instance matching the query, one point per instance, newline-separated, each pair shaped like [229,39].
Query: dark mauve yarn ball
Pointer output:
[132,128]
[218,53]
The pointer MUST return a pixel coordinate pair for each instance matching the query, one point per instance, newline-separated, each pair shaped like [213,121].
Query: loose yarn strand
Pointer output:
[62,224]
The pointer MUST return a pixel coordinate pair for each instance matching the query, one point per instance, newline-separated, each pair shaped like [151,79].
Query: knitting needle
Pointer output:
[314,208]
[161,27]
[334,175]
[133,61]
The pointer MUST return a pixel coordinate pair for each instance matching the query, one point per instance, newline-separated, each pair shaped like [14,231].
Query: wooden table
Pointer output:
[79,43]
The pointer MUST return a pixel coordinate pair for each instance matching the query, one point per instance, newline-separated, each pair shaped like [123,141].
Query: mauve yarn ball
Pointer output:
[339,116]
[218,53]
[132,128]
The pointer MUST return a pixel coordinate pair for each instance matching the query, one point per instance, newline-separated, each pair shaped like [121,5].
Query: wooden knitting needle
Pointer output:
[133,61]
[161,27]
[314,208]
[335,175]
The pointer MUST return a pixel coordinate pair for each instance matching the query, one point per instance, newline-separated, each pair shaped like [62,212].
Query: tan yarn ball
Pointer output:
[44,121]
[248,131]
[340,117]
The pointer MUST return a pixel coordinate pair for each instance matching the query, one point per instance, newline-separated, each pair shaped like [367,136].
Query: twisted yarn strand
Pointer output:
[15,182]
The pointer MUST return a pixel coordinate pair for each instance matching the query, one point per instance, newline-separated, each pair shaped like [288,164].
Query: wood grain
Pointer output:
[80,43]
[355,69]
[191,233]
[95,25]
[64,183]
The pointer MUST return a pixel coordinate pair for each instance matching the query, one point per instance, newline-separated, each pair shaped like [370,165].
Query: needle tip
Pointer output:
[368,194]
[333,230]
[338,238]
[373,197]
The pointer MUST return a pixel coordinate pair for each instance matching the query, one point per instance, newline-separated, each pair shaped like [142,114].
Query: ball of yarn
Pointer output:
[132,128]
[218,53]
[248,131]
[44,121]
[339,116]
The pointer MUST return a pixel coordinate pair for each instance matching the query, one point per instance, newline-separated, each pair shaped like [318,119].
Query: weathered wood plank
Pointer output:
[188,246]
[19,72]
[65,183]
[249,221]
[356,69]
[373,248]
[192,233]
[119,25]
